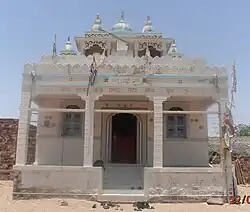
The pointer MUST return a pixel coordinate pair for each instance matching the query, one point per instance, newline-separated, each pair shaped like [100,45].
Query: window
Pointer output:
[176,124]
[72,122]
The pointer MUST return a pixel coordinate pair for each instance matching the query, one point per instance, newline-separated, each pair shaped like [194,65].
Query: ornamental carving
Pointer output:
[117,69]
[96,35]
[149,36]
[155,45]
[122,65]
[89,44]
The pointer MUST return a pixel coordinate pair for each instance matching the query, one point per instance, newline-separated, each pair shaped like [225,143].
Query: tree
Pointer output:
[243,130]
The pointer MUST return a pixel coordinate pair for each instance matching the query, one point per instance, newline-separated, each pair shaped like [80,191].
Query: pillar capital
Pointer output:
[85,97]
[82,96]
[158,98]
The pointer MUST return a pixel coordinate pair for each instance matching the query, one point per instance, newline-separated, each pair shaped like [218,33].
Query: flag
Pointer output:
[54,48]
[234,80]
[228,119]
[234,84]
[92,74]
[93,71]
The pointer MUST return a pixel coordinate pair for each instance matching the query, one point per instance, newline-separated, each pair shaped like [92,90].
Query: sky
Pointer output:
[217,30]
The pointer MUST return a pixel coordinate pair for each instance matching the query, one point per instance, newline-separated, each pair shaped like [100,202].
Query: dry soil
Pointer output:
[54,205]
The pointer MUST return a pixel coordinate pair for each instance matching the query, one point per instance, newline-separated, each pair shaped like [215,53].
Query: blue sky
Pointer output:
[218,30]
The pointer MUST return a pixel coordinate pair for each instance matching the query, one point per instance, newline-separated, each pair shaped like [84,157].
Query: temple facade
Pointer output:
[123,118]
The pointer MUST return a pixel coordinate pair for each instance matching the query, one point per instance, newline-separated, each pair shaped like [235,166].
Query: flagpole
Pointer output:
[54,54]
[234,84]
[223,164]
[226,134]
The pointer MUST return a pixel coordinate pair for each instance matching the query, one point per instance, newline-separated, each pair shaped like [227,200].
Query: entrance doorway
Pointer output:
[124,138]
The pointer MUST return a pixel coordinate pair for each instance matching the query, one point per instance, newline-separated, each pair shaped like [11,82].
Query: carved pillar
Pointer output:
[36,162]
[23,129]
[108,48]
[136,48]
[37,152]
[164,48]
[89,130]
[88,134]
[158,131]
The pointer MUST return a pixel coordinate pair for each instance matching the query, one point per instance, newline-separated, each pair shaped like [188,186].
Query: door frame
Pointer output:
[108,143]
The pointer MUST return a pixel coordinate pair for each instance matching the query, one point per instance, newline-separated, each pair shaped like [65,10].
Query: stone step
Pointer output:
[122,177]
[123,191]
[122,196]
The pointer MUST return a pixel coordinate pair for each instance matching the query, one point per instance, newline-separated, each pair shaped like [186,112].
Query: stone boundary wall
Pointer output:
[8,141]
[241,145]
[241,150]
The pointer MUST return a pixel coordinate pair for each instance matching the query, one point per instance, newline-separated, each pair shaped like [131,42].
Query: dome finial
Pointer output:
[122,16]
[97,19]
[97,24]
[148,26]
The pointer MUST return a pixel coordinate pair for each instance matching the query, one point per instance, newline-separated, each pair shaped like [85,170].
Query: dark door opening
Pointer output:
[124,134]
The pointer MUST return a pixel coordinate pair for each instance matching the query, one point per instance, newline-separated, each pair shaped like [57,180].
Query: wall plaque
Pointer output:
[126,80]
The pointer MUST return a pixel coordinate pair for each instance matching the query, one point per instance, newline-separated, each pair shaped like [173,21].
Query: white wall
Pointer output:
[192,151]
[53,149]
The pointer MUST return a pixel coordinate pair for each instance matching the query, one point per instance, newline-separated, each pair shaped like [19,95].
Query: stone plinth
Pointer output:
[55,181]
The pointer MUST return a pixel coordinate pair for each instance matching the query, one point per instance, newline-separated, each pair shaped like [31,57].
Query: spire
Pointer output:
[54,48]
[98,20]
[68,49]
[122,16]
[148,26]
[148,22]
[97,26]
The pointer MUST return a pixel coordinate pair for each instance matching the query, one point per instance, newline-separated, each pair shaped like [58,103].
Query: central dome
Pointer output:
[122,26]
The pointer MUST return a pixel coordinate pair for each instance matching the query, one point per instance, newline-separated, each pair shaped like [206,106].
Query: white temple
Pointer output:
[135,130]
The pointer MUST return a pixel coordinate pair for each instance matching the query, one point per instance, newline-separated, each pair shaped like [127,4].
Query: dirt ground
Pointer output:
[54,205]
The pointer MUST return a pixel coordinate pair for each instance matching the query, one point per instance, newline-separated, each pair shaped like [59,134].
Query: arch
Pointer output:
[94,49]
[108,146]
[72,107]
[176,109]
[153,52]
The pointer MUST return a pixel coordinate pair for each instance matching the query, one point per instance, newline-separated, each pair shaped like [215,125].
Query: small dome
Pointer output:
[148,26]
[97,26]
[173,51]
[68,49]
[122,26]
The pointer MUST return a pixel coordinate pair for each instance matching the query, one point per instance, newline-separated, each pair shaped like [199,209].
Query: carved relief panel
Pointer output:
[155,48]
[94,46]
